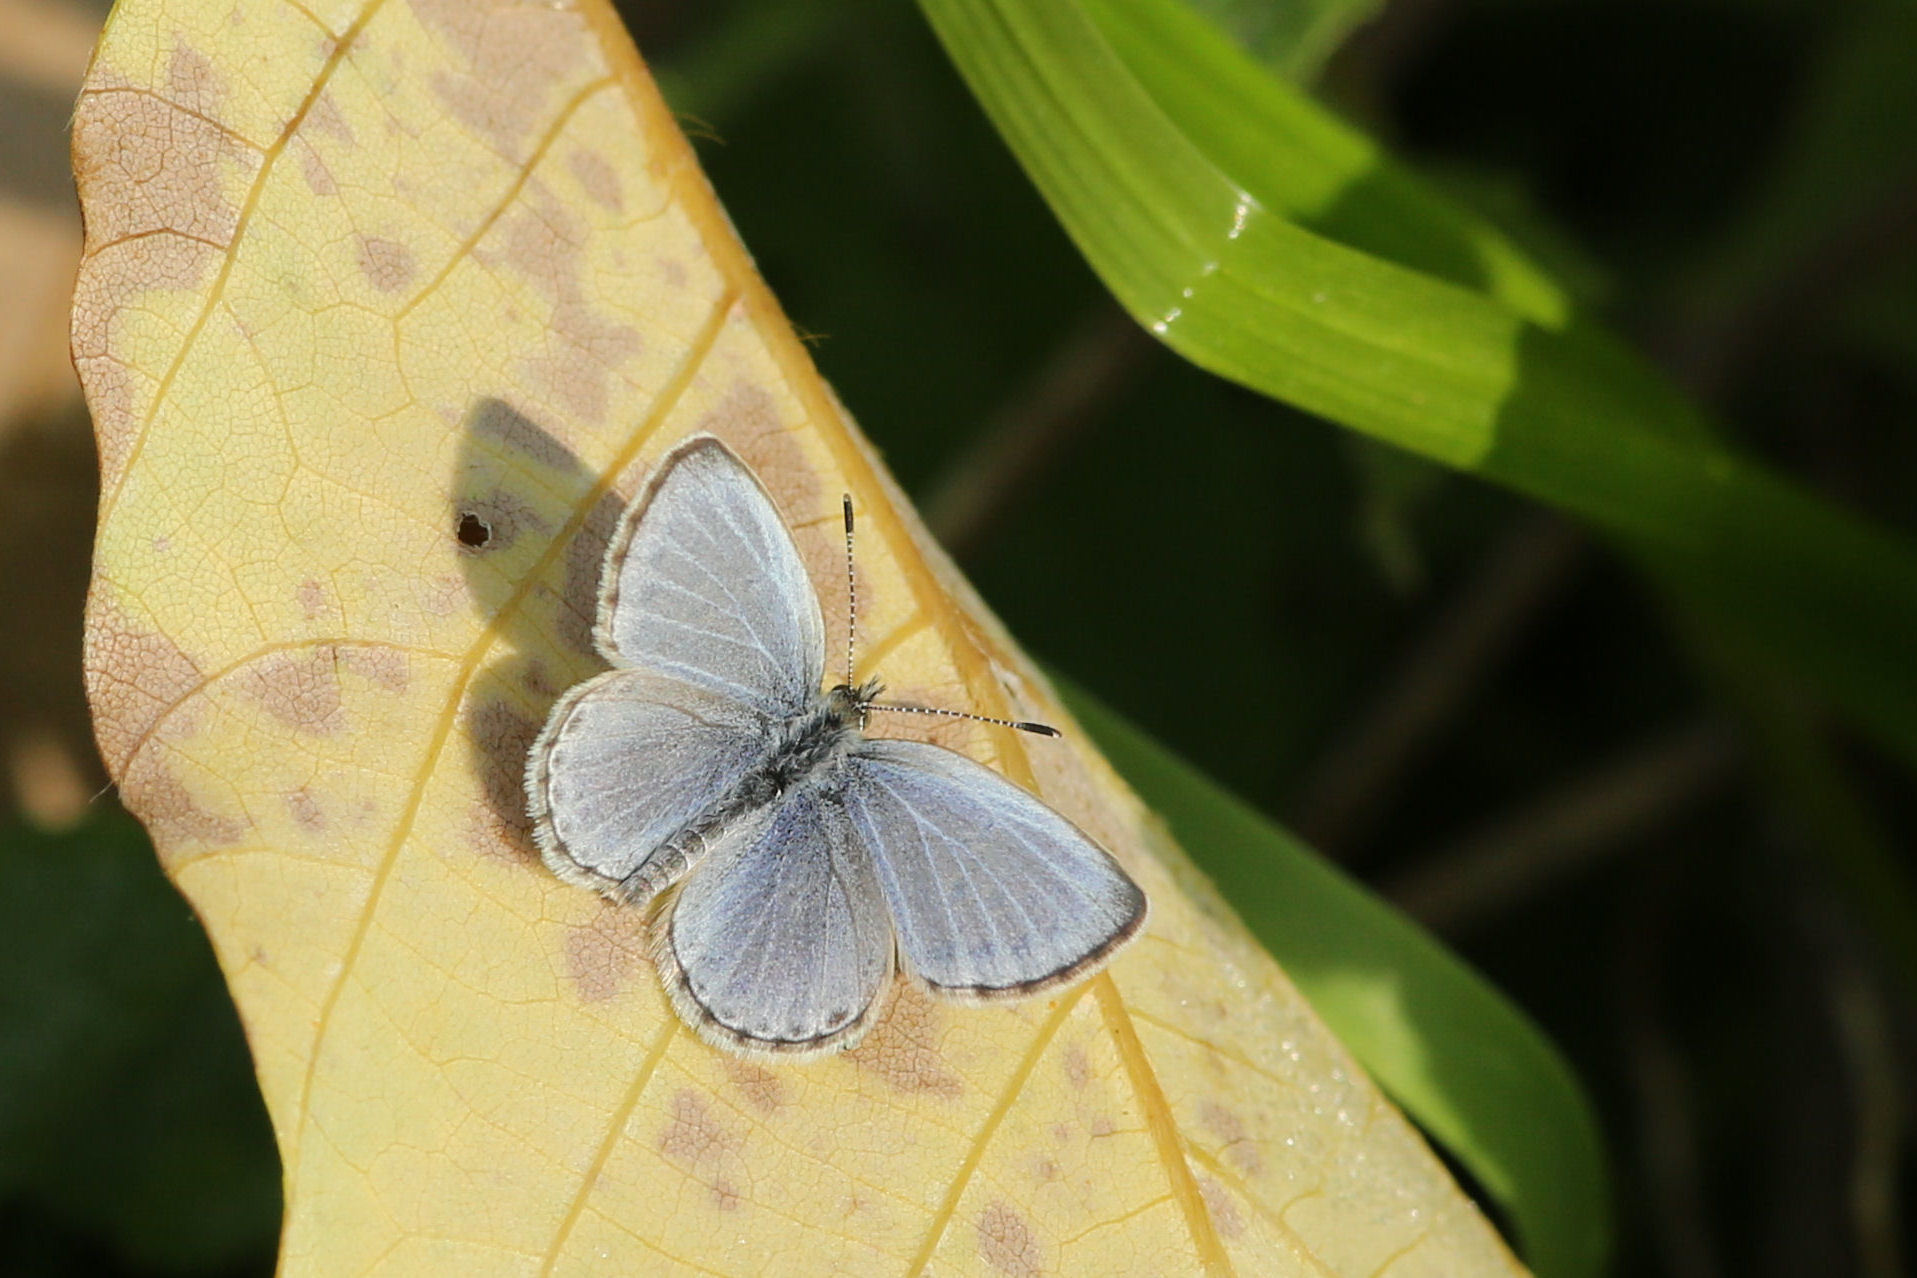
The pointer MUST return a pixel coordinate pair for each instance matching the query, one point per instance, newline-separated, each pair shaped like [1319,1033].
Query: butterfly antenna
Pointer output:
[852,647]
[851,599]
[1036,729]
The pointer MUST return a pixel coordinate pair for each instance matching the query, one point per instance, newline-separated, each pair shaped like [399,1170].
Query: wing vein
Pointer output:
[743,614]
[966,862]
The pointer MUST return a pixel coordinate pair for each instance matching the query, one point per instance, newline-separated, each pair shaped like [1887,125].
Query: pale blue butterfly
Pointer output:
[794,863]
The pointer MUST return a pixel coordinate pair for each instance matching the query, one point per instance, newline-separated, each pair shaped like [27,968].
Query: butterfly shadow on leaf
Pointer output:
[531,526]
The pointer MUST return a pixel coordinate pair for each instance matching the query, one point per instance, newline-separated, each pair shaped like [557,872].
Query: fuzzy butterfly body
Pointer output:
[795,865]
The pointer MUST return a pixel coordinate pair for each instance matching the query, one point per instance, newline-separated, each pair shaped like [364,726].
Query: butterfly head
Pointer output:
[848,702]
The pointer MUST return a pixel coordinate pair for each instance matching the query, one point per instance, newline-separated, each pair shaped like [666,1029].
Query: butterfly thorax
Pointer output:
[815,738]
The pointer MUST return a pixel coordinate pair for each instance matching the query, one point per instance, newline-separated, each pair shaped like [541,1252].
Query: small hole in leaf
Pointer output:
[474,532]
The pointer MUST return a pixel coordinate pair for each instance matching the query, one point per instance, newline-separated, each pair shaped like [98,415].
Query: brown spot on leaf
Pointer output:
[119,276]
[172,815]
[748,419]
[903,1049]
[312,598]
[673,272]
[692,1134]
[517,57]
[142,164]
[1225,1216]
[537,680]
[386,667]
[157,220]
[192,83]
[324,119]
[1078,1066]
[386,264]
[300,689]
[440,595]
[491,836]
[305,809]
[762,1088]
[583,348]
[1007,1243]
[693,1137]
[597,178]
[1237,1146]
[133,677]
[743,418]
[319,178]
[601,953]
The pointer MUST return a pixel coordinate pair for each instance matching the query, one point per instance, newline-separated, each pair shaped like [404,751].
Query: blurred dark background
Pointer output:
[1465,701]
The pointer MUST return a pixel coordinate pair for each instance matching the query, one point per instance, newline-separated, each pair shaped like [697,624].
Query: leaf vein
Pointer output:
[1276,1217]
[110,495]
[1014,1086]
[1163,1126]
[615,1127]
[661,407]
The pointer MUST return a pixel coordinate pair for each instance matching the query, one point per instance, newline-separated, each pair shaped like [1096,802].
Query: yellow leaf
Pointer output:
[386,309]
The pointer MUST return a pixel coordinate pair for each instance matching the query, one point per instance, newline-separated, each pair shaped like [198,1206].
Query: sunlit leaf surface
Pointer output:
[386,309]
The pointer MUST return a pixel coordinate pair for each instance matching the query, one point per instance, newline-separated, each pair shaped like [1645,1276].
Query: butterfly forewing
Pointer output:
[703,583]
[780,941]
[992,893]
[626,762]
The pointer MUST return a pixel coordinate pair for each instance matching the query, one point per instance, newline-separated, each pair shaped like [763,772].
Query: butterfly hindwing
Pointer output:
[626,761]
[992,893]
[780,942]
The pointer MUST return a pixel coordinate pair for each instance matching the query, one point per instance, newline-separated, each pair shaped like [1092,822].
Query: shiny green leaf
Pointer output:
[1463,1062]
[1269,243]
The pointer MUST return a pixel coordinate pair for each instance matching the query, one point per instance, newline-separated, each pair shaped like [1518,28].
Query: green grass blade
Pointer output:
[1293,37]
[1464,1063]
[1272,245]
